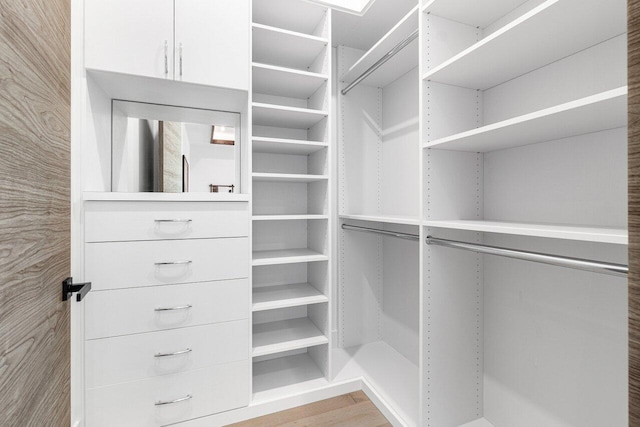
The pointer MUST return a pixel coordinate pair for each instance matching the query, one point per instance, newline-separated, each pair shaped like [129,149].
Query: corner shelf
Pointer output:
[606,110]
[286,117]
[283,296]
[399,65]
[618,236]
[286,177]
[287,256]
[285,48]
[286,146]
[387,219]
[285,335]
[288,82]
[515,49]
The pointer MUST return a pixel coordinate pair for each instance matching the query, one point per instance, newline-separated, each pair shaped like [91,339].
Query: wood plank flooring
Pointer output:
[353,410]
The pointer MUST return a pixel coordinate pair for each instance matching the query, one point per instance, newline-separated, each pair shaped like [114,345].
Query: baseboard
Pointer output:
[265,408]
[382,405]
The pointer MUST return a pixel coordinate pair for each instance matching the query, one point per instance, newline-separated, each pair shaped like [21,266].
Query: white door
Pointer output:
[132,37]
[212,42]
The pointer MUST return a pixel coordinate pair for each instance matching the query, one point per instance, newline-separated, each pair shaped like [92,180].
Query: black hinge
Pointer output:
[68,289]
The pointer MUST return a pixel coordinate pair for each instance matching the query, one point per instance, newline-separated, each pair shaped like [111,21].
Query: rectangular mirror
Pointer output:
[159,148]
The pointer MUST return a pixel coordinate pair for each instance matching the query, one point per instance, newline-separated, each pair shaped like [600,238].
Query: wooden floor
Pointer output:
[353,410]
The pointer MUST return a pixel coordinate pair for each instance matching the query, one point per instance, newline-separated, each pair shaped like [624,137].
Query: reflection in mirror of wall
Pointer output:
[158,148]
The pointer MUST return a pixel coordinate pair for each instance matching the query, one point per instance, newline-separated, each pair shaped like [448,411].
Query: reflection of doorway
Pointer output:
[170,167]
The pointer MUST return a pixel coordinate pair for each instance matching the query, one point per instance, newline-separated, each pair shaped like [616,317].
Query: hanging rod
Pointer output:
[405,236]
[560,261]
[380,62]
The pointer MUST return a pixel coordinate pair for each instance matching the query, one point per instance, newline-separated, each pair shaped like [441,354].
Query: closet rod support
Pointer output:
[380,62]
[556,260]
[406,236]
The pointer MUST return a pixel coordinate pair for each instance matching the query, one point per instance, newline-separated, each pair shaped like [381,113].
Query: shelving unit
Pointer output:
[292,188]
[523,117]
[285,335]
[285,116]
[594,113]
[562,27]
[385,219]
[287,256]
[282,296]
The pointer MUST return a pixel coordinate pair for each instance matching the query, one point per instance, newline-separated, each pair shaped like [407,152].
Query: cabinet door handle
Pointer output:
[176,353]
[180,53]
[173,220]
[169,402]
[181,307]
[174,263]
[166,58]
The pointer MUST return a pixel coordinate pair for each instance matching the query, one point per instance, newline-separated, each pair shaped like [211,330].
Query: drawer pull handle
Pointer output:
[173,220]
[177,353]
[182,307]
[174,263]
[169,402]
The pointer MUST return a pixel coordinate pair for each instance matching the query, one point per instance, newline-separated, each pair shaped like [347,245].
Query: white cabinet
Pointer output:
[212,42]
[196,41]
[132,37]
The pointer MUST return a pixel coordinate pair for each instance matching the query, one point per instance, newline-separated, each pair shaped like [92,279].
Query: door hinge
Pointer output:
[69,288]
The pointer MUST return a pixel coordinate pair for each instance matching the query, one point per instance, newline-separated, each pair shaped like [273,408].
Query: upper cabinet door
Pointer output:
[130,36]
[212,42]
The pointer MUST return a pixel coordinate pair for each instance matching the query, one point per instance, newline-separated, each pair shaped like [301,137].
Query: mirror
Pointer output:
[159,148]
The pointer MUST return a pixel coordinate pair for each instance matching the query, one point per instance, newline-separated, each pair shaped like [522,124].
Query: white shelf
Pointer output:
[289,217]
[285,376]
[280,81]
[392,375]
[292,14]
[603,111]
[286,146]
[287,256]
[617,236]
[388,219]
[282,296]
[164,197]
[399,65]
[285,335]
[285,48]
[287,117]
[551,31]
[480,422]
[475,14]
[286,177]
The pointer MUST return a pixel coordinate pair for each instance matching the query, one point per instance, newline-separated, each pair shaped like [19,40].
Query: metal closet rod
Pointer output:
[380,62]
[612,269]
[560,261]
[406,236]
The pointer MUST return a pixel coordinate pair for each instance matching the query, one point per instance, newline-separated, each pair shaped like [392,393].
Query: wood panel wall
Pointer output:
[34,212]
[634,212]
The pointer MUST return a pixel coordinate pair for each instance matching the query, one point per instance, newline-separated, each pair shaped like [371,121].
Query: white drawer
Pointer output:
[131,311]
[128,221]
[135,357]
[212,390]
[118,265]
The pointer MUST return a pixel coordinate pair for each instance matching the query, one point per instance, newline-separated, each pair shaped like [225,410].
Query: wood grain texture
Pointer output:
[353,410]
[34,211]
[634,211]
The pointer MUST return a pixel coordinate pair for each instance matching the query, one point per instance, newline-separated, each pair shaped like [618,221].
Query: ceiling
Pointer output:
[363,31]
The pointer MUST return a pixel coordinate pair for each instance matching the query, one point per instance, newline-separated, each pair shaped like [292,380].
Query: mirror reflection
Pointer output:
[159,148]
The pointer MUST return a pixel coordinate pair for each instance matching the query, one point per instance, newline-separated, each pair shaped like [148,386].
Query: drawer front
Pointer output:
[130,221]
[132,311]
[212,390]
[117,265]
[116,360]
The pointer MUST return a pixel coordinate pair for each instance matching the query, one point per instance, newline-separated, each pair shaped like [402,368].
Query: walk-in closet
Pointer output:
[419,207]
